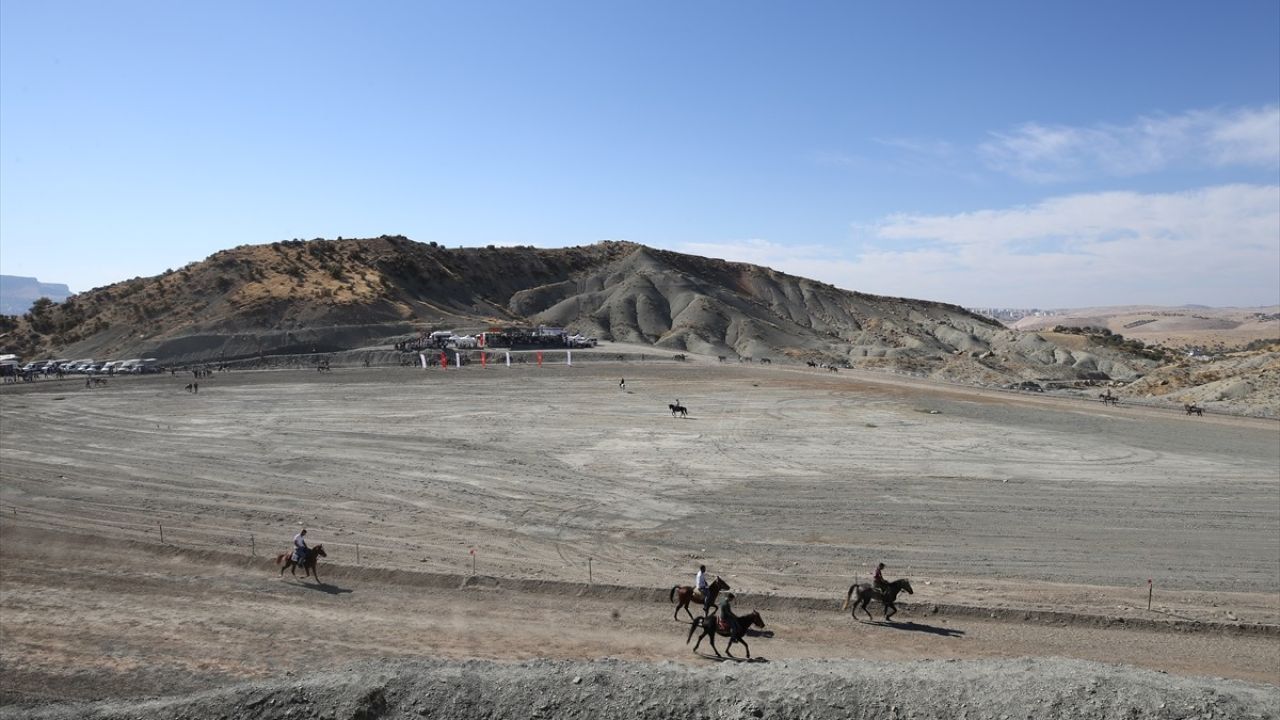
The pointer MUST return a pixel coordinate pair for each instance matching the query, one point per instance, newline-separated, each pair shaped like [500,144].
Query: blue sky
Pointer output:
[986,154]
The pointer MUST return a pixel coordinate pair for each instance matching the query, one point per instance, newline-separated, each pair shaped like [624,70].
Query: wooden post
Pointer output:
[161,532]
[1148,593]
[589,579]
[253,546]
[357,553]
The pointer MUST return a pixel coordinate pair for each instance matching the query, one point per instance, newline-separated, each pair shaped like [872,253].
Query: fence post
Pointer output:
[161,532]
[253,546]
[357,553]
[589,579]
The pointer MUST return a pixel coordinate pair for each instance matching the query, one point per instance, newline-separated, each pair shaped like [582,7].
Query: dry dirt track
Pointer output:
[783,480]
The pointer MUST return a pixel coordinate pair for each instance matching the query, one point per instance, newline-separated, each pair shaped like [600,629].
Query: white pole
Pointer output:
[457,359]
[568,357]
[423,358]
[508,358]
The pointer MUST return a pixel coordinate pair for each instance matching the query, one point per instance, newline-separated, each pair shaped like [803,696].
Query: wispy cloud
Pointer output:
[1215,246]
[1217,137]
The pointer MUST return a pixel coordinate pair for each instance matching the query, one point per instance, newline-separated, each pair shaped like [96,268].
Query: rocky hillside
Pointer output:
[328,295]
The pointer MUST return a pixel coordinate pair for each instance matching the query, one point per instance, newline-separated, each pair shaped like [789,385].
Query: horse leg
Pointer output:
[865,601]
[745,645]
[889,610]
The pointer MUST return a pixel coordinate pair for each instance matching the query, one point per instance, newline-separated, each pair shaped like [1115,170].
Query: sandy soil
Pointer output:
[789,483]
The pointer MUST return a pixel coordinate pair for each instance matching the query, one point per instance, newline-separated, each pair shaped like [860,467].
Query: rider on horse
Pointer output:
[300,548]
[877,579]
[700,584]
[727,617]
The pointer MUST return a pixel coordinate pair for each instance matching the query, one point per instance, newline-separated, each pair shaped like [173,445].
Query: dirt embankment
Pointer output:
[801,690]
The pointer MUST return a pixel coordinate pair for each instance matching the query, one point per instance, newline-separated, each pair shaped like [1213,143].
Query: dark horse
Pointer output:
[684,411]
[711,626]
[285,560]
[682,594]
[867,593]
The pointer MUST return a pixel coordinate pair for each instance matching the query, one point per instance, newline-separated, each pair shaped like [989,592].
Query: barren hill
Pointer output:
[329,295]
[1174,327]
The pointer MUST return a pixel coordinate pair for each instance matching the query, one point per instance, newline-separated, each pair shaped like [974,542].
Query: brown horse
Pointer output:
[711,625]
[285,560]
[868,592]
[682,594]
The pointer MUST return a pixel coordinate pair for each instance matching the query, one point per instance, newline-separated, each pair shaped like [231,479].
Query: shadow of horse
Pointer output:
[919,627]
[710,626]
[323,587]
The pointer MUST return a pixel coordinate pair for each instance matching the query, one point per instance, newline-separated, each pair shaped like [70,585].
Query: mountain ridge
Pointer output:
[326,295]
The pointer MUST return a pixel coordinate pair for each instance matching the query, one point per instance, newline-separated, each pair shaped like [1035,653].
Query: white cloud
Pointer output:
[1051,153]
[1214,246]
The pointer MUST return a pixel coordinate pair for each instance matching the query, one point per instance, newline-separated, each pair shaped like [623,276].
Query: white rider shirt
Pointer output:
[700,581]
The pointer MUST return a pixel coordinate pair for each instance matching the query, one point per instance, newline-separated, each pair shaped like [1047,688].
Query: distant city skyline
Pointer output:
[991,154]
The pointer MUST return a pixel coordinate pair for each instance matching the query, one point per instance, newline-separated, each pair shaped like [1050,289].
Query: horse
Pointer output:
[682,594]
[711,625]
[766,361]
[811,363]
[286,561]
[1194,409]
[1108,399]
[684,411]
[867,593]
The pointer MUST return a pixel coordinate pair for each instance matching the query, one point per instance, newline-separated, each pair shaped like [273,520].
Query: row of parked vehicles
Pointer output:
[88,366]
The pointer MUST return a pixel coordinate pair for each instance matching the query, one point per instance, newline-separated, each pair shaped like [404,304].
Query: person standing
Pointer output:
[622,384]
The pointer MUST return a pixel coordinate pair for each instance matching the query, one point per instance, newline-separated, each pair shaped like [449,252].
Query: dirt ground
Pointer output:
[790,483]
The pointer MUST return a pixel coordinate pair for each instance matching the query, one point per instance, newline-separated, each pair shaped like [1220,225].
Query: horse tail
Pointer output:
[672,595]
[848,595]
[280,558]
